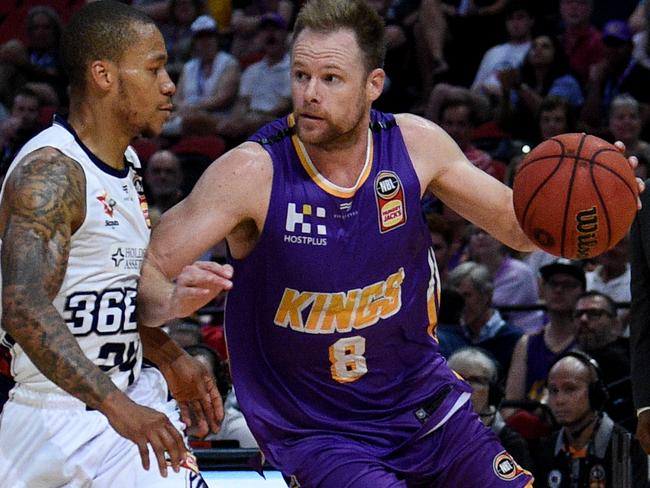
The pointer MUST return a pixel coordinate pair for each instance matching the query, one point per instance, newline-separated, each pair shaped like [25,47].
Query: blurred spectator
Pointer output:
[563,281]
[400,90]
[600,335]
[511,54]
[638,20]
[641,39]
[38,60]
[177,32]
[474,26]
[22,124]
[606,10]
[582,42]
[246,22]
[429,33]
[163,178]
[545,72]
[618,73]
[481,325]
[625,120]
[612,275]
[265,88]
[442,237]
[514,282]
[480,371]
[589,450]
[555,116]
[209,81]
[458,119]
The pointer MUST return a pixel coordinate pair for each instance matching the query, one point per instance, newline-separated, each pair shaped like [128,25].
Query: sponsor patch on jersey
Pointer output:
[107,202]
[505,467]
[305,224]
[126,258]
[144,206]
[389,194]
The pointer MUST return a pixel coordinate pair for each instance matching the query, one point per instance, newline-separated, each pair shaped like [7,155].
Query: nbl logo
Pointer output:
[505,467]
[307,222]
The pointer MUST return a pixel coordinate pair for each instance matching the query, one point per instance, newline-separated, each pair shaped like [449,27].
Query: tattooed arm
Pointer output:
[43,204]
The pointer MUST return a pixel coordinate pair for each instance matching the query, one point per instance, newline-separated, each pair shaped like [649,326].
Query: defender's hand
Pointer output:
[198,284]
[193,387]
[145,426]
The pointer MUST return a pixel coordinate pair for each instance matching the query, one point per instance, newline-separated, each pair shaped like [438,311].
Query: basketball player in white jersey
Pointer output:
[74,228]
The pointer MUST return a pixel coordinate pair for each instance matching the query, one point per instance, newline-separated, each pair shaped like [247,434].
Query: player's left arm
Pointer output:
[189,381]
[447,173]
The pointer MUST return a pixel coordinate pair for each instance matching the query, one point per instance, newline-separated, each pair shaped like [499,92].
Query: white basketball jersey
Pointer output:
[97,296]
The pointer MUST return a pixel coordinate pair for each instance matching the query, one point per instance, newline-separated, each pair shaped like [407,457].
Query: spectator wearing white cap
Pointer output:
[210,80]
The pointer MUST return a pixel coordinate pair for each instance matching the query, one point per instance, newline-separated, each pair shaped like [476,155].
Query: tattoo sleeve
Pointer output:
[43,203]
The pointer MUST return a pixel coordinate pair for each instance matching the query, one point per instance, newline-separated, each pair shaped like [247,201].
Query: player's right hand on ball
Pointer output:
[145,426]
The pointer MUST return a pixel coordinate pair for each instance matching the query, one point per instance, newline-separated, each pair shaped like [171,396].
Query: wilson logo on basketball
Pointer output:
[586,226]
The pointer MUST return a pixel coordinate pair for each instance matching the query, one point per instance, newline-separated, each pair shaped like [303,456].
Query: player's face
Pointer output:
[568,392]
[331,90]
[144,87]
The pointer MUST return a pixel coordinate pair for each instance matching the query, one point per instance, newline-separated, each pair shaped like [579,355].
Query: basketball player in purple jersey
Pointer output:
[332,313]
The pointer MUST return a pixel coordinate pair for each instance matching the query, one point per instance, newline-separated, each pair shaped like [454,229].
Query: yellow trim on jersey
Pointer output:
[319,179]
[433,295]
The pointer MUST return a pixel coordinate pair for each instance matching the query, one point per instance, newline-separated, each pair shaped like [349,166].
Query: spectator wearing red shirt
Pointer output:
[582,42]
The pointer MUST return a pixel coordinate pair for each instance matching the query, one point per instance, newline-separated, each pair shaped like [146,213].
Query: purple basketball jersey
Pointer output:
[331,320]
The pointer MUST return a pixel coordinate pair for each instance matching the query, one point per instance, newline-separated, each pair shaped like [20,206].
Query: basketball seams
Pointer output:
[539,188]
[565,217]
[601,202]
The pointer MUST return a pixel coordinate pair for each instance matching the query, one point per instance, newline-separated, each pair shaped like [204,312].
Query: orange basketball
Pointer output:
[575,195]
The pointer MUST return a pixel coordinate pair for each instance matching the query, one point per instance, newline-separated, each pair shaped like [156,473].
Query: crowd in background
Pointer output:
[499,76]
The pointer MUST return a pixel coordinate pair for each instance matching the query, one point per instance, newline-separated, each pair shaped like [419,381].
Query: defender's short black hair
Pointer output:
[99,30]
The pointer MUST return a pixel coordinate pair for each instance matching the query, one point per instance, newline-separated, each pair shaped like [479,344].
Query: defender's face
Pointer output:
[330,88]
[144,86]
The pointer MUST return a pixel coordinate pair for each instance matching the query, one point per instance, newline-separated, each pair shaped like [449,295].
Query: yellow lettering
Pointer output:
[316,312]
[291,306]
[339,312]
[370,304]
[393,294]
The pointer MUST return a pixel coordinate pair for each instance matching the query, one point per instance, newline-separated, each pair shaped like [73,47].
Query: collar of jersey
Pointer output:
[120,173]
[318,178]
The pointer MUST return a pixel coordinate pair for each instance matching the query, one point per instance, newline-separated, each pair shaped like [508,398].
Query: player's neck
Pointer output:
[101,135]
[341,163]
